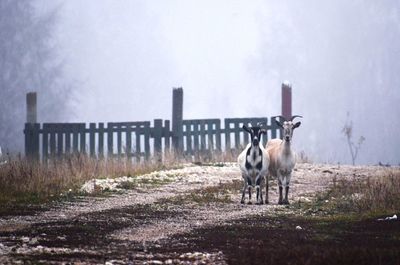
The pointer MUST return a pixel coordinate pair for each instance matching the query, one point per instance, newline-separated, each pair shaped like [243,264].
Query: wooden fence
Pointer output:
[138,140]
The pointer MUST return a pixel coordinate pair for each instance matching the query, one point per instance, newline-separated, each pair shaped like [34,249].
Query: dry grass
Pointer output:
[371,195]
[30,181]
[24,181]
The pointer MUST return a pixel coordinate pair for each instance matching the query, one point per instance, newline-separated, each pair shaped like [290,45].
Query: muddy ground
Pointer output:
[192,215]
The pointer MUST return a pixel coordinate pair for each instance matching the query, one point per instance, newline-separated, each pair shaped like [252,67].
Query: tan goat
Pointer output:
[282,158]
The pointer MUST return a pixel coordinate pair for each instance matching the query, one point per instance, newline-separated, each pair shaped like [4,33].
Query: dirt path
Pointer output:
[119,229]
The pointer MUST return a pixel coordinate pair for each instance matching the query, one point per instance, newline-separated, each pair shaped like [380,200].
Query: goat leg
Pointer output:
[280,189]
[249,195]
[244,191]
[259,190]
[266,190]
[261,201]
[280,195]
[286,201]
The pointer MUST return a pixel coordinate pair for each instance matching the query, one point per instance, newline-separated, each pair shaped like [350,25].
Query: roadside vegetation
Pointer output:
[24,181]
[359,197]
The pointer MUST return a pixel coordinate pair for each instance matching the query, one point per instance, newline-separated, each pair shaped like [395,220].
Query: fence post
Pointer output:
[177,119]
[286,100]
[31,127]
[31,106]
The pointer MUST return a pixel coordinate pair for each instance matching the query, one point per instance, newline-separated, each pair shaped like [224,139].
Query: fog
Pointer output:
[230,57]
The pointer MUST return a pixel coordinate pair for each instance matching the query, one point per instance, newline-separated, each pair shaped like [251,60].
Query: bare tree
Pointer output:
[348,132]
[28,62]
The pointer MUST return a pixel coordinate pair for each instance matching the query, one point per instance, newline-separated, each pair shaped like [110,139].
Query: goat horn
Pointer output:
[280,116]
[260,123]
[295,116]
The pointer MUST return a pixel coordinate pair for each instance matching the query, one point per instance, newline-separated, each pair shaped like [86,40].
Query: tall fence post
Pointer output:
[177,119]
[31,107]
[31,127]
[286,100]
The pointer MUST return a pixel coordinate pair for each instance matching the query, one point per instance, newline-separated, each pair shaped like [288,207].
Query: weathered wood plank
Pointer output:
[32,140]
[167,135]
[52,140]
[177,119]
[82,136]
[138,148]
[31,107]
[45,143]
[157,135]
[146,132]
[128,140]
[60,140]
[101,133]
[227,130]
[119,139]
[67,130]
[196,135]
[92,139]
[189,147]
[110,141]
[246,136]
[218,134]
[202,135]
[210,140]
[75,139]
[237,131]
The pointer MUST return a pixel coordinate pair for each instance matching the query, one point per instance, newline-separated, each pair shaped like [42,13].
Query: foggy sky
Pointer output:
[231,57]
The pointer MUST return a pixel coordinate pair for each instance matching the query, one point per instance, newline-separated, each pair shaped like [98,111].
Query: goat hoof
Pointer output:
[261,203]
[285,202]
[249,203]
[242,202]
[266,202]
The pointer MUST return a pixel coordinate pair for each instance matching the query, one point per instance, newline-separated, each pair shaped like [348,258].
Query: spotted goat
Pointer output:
[253,162]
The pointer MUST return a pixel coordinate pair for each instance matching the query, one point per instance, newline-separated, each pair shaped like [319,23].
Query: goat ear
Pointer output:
[279,123]
[263,131]
[297,124]
[246,129]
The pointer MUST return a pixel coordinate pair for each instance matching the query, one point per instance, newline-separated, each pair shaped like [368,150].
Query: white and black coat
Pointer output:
[254,162]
